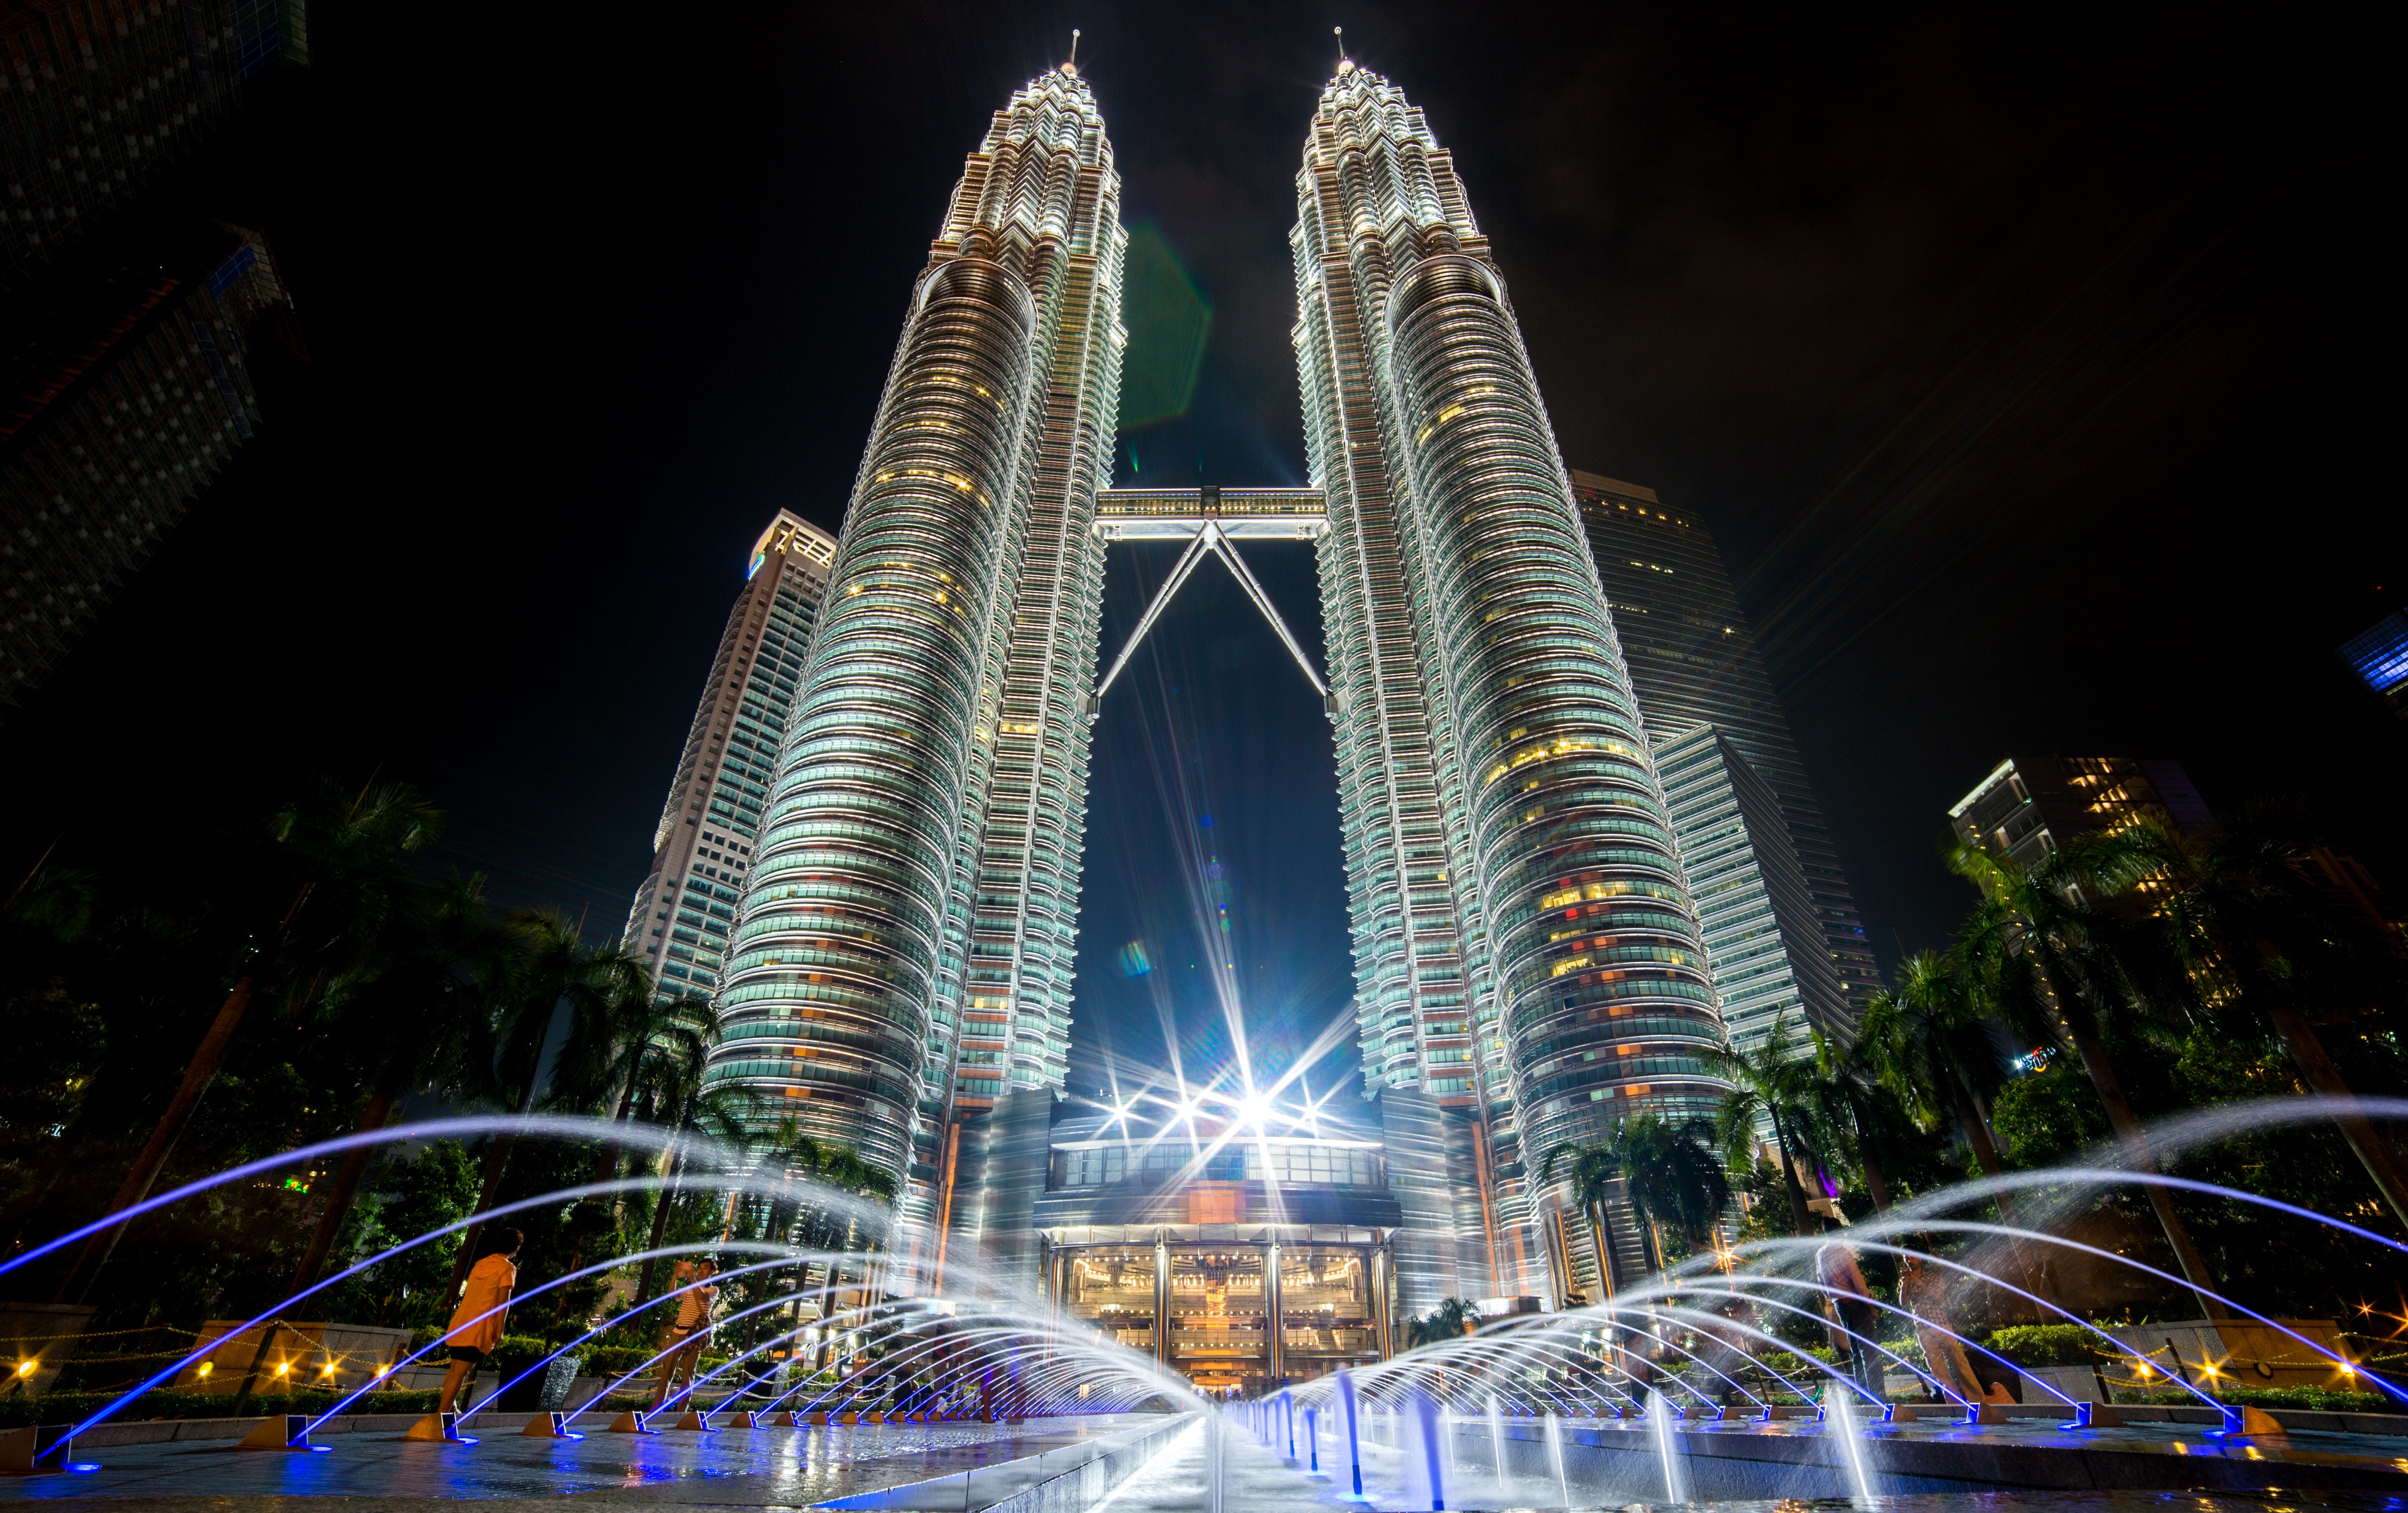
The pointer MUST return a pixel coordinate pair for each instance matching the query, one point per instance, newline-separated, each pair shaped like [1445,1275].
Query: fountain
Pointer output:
[1692,1379]
[1496,1447]
[1659,1423]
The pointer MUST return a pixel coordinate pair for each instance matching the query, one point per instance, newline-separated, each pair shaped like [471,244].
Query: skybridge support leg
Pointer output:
[1210,538]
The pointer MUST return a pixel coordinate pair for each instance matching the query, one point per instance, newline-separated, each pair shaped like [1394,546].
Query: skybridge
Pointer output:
[1212,521]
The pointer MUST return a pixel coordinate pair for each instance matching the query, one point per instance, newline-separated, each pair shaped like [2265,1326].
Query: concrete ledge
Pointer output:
[2300,1418]
[162,1431]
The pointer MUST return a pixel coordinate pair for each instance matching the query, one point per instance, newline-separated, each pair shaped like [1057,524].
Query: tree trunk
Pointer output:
[1605,1278]
[198,1074]
[663,1198]
[2136,1146]
[1875,1183]
[2373,1152]
[607,1165]
[347,1187]
[1801,1223]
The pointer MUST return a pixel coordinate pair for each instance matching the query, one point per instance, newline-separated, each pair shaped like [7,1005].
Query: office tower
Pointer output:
[711,826]
[2029,806]
[1765,945]
[128,386]
[98,98]
[907,924]
[1525,949]
[1693,662]
[2379,655]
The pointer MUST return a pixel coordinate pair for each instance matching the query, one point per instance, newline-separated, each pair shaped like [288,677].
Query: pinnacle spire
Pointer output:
[1345,63]
[1071,67]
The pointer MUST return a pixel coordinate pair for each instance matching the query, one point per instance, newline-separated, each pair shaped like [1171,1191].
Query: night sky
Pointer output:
[2034,370]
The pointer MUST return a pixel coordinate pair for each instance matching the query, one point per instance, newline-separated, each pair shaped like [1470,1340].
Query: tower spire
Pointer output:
[1071,67]
[1345,63]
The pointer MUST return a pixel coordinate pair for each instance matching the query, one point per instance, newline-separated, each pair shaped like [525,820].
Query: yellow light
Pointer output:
[206,1366]
[283,1366]
[27,1368]
[327,1370]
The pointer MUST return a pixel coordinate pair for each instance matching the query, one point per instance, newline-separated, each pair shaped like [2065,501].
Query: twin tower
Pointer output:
[1520,927]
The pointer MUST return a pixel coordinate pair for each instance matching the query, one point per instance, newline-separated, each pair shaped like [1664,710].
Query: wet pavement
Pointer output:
[1926,1467]
[738,1467]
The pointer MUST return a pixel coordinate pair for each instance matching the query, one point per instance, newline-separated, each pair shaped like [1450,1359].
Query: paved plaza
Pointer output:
[734,1468]
[944,1467]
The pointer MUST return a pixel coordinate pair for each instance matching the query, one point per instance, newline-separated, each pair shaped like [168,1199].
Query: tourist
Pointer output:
[476,1325]
[690,1331]
[1924,1294]
[1856,1317]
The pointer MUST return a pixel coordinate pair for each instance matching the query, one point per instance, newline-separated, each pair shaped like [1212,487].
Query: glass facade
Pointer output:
[1693,662]
[684,912]
[1765,945]
[1513,881]
[1241,1261]
[2030,805]
[907,923]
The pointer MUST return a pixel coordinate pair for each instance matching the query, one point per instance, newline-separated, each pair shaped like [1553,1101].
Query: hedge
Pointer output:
[2047,1345]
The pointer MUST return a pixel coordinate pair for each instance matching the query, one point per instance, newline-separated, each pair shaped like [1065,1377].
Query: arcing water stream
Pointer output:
[1693,1383]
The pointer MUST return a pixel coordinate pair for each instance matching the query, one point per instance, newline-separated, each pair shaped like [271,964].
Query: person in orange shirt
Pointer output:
[487,1292]
[691,1330]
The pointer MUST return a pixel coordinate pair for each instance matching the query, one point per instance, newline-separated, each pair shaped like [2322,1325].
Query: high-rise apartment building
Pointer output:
[127,371]
[1694,663]
[909,918]
[703,847]
[98,98]
[128,388]
[1525,948]
[2030,805]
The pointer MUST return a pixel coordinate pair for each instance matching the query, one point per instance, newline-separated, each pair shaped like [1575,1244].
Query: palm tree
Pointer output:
[1928,1043]
[554,970]
[1669,1176]
[345,854]
[2063,973]
[1853,1102]
[2265,946]
[649,1037]
[1452,1319]
[425,1006]
[1769,1084]
[1592,1172]
[726,1115]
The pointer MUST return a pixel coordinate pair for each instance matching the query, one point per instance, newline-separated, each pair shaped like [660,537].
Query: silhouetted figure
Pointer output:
[484,1306]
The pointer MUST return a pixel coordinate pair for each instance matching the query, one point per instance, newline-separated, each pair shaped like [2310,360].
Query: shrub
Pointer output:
[2047,1345]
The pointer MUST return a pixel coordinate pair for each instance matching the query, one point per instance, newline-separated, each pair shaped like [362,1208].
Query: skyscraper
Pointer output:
[1528,967]
[908,921]
[704,844]
[1525,949]
[1765,947]
[2031,805]
[101,96]
[127,387]
[1694,664]
[127,374]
